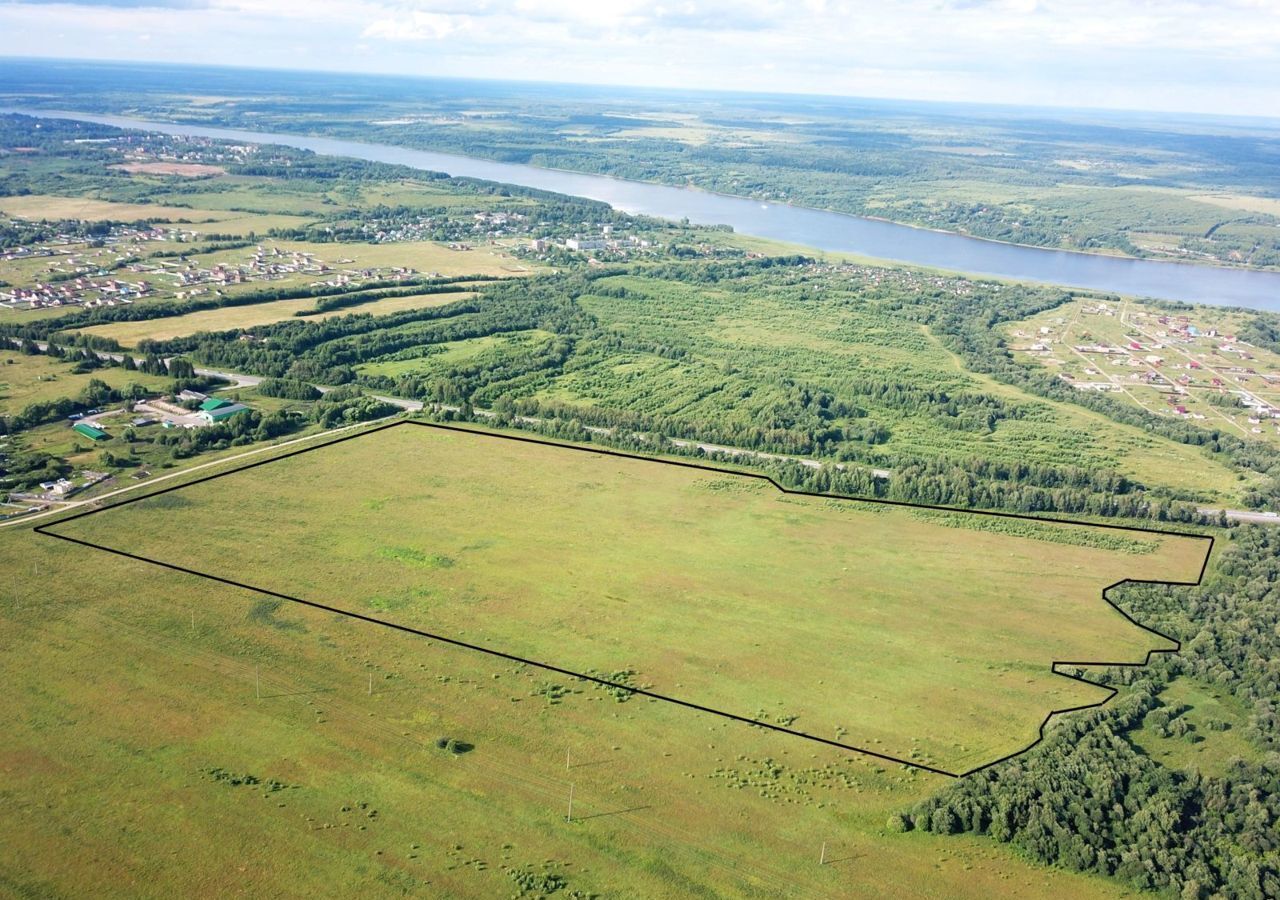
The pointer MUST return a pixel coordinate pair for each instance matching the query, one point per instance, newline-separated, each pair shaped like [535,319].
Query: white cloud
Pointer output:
[1213,55]
[417,25]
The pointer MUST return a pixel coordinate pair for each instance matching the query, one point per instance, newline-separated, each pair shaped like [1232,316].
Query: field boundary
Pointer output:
[44,529]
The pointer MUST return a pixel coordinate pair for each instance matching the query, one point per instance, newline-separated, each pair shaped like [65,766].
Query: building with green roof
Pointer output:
[218,413]
[89,431]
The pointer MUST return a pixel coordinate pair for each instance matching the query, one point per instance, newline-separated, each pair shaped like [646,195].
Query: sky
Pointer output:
[1211,56]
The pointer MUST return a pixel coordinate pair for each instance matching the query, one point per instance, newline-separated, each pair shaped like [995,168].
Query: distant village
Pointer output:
[1167,353]
[89,277]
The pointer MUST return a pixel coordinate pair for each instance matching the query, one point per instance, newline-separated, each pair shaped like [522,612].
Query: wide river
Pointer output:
[836,232]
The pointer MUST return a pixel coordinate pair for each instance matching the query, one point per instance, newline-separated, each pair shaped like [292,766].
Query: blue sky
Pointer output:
[1215,56]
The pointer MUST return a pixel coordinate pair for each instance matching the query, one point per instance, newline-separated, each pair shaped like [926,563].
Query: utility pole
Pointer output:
[566,759]
[822,859]
[370,684]
[569,818]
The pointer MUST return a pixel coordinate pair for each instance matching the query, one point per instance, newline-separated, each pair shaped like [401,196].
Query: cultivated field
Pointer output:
[45,206]
[202,221]
[186,170]
[227,318]
[425,256]
[923,636]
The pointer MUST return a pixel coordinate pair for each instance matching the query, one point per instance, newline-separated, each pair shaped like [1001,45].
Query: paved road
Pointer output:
[238,380]
[1245,515]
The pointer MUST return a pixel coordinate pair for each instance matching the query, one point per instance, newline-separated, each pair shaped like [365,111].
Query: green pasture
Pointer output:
[227,318]
[453,352]
[175,736]
[848,621]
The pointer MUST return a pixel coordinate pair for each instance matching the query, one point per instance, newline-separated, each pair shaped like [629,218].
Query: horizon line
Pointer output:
[1240,118]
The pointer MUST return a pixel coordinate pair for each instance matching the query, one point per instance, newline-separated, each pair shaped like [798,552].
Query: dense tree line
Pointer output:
[288,388]
[328,303]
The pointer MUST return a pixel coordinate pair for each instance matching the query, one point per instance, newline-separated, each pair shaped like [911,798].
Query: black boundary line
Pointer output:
[601,451]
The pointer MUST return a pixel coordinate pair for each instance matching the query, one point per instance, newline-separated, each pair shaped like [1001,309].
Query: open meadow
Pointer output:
[167,711]
[227,318]
[920,635]
[30,378]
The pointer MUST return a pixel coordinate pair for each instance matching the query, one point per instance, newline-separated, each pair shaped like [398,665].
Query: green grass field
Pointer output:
[33,379]
[921,637]
[425,256]
[453,353]
[201,220]
[47,206]
[139,699]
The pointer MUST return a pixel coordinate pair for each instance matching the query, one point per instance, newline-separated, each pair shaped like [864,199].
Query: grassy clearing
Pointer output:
[34,379]
[847,621]
[244,224]
[232,317]
[1243,202]
[45,206]
[453,353]
[201,221]
[421,193]
[1197,728]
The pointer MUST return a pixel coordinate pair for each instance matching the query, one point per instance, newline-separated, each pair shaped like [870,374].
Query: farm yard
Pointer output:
[846,621]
